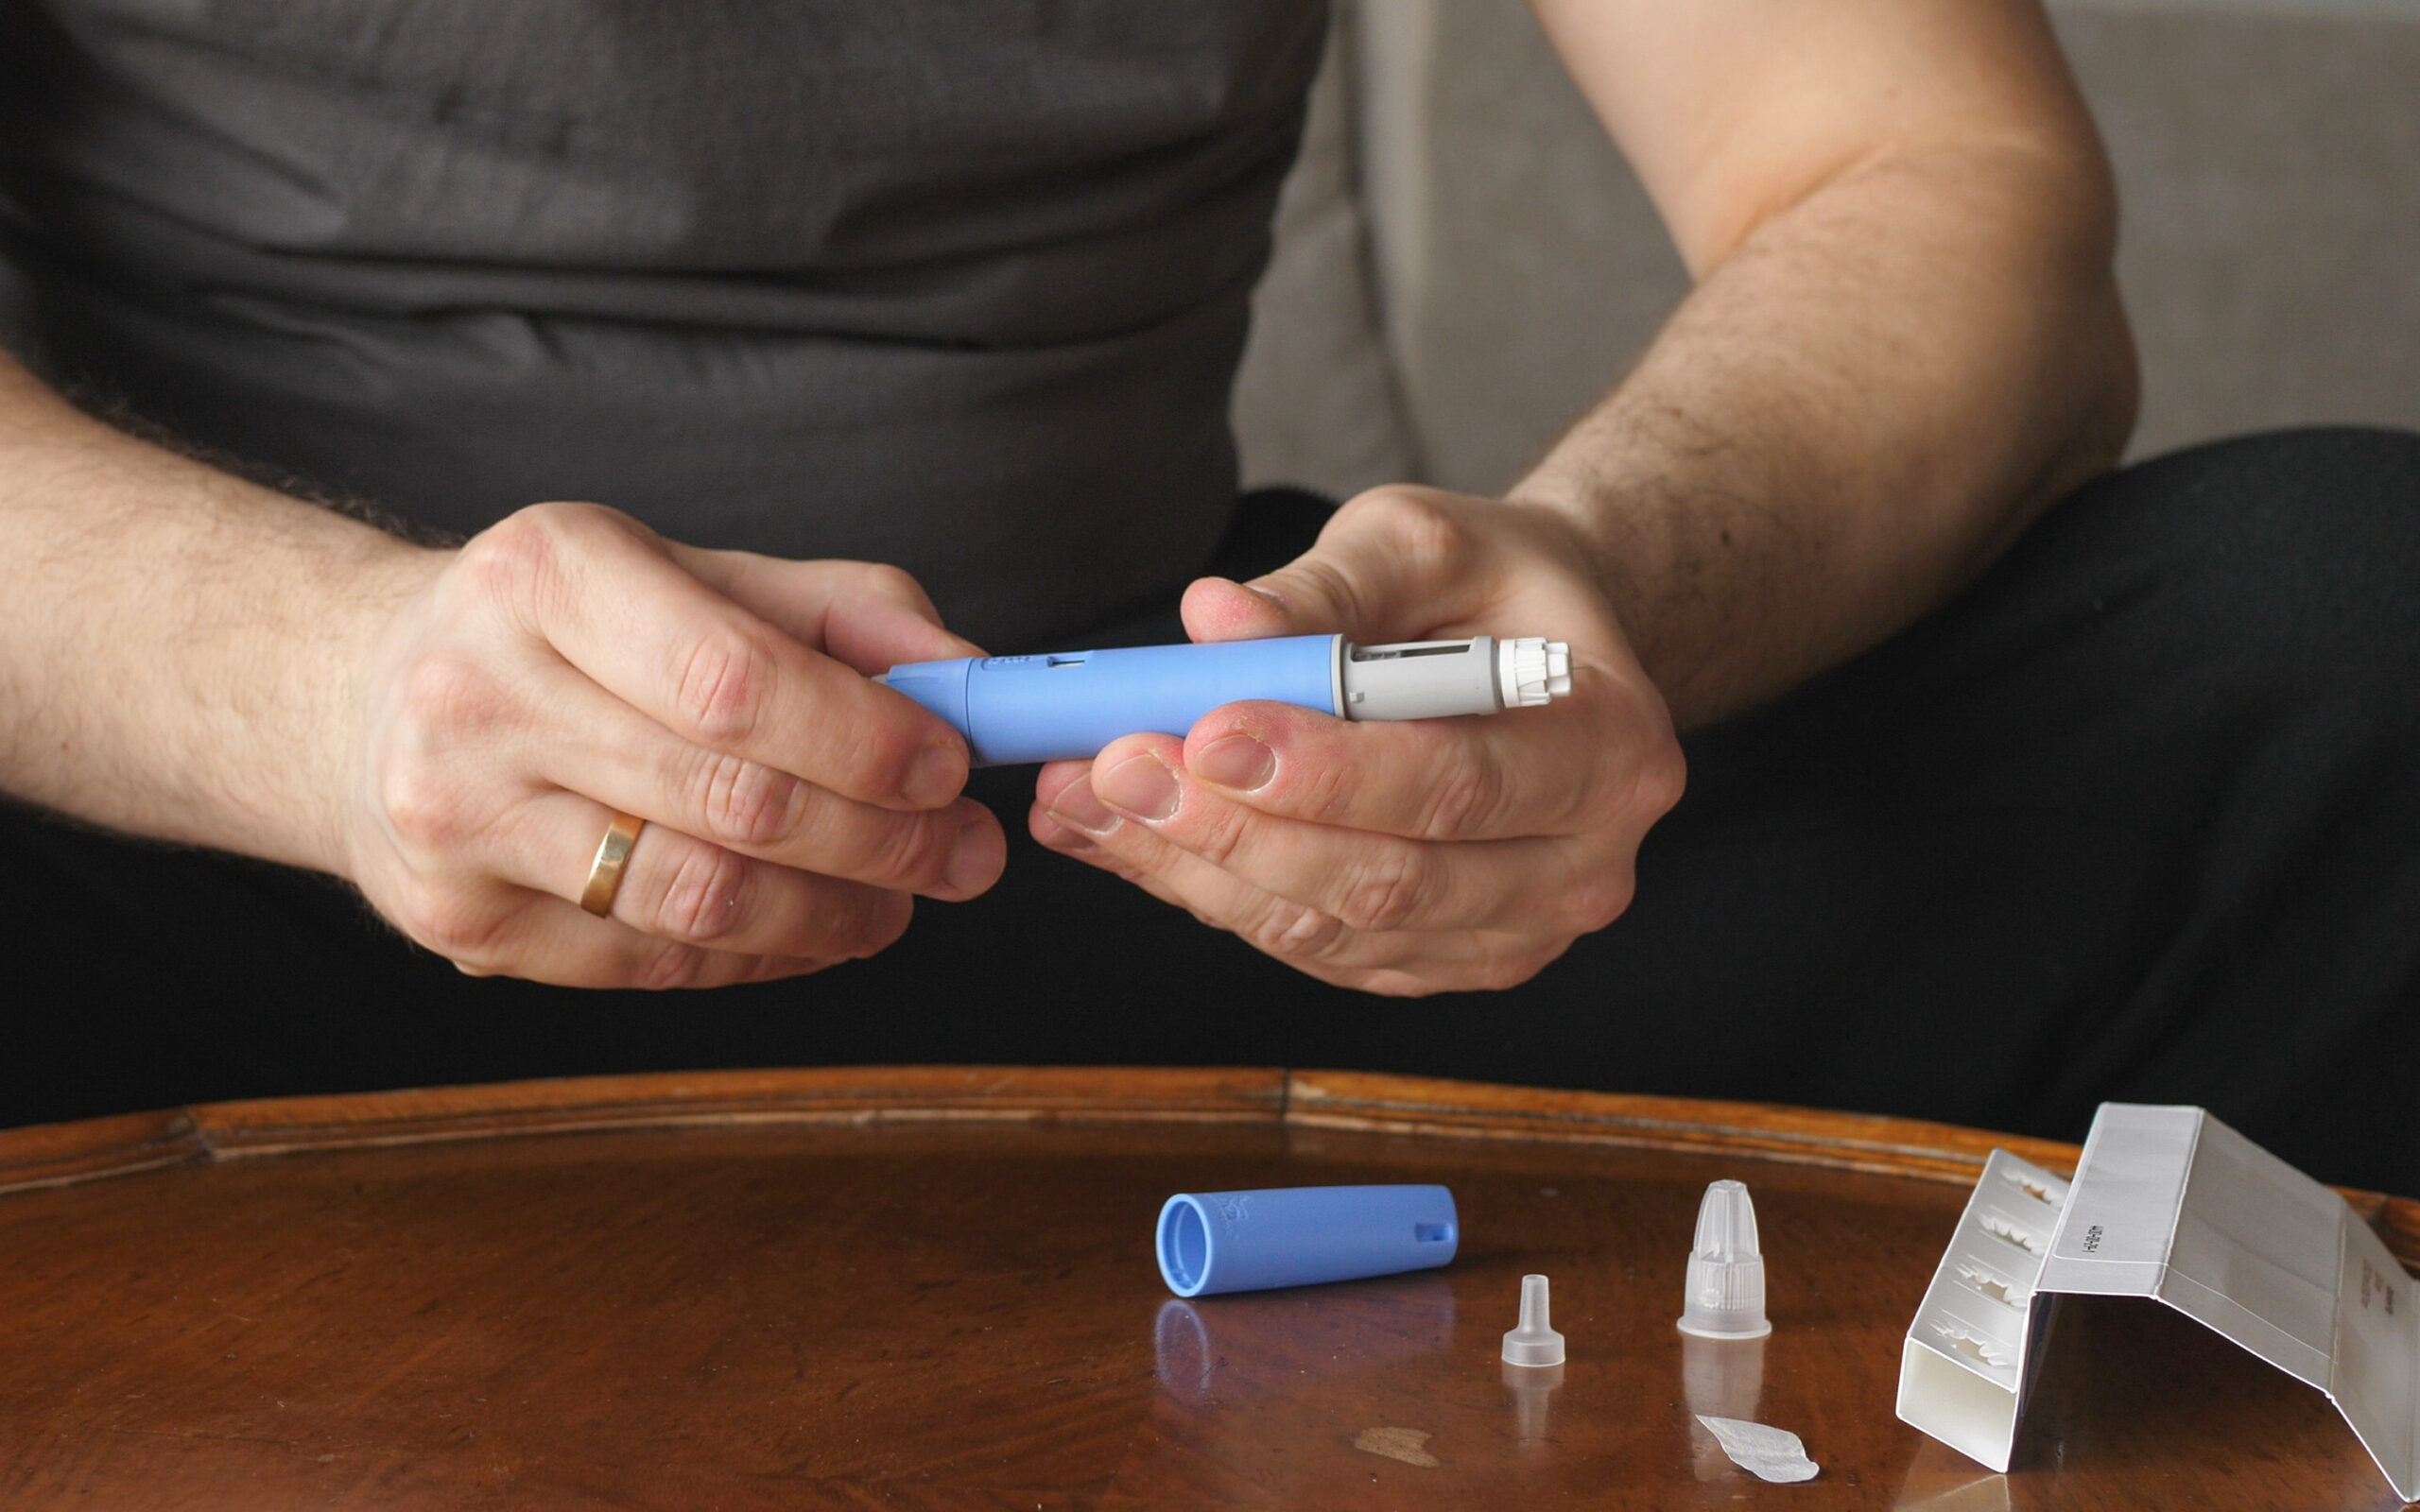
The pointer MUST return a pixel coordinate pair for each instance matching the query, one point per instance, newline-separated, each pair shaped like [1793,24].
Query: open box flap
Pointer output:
[2171,1203]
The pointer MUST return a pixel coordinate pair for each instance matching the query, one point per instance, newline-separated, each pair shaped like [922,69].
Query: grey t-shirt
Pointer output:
[958,285]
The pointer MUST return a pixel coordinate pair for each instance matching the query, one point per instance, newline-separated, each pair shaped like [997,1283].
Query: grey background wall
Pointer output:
[1460,215]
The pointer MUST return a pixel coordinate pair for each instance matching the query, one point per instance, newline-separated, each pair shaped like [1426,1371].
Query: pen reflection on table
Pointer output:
[1207,1353]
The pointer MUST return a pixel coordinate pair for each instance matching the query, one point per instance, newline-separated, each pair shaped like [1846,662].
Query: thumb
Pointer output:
[866,614]
[875,633]
[1393,564]
[1221,609]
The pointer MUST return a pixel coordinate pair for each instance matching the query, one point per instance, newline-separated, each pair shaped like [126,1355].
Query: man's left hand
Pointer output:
[1409,857]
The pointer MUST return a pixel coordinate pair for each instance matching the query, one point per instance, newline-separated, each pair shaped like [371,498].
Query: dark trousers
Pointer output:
[2138,817]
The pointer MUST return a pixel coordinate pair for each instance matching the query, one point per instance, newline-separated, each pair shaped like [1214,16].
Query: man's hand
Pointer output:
[567,663]
[1412,857]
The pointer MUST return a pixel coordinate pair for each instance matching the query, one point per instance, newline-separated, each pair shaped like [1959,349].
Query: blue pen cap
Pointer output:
[1212,1241]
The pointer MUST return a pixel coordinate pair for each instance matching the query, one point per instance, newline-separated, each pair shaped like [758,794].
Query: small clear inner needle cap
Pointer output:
[1533,1343]
[1726,1297]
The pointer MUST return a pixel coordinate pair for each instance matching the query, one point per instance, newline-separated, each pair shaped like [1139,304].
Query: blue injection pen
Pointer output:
[1070,704]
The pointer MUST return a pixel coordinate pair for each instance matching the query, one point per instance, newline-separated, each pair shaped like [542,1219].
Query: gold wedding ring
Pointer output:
[613,854]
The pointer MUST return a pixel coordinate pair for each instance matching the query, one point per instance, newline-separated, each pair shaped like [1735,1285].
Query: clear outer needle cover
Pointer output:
[1726,1297]
[1533,1343]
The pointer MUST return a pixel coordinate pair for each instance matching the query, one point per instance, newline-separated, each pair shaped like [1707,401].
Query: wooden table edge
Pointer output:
[65,1153]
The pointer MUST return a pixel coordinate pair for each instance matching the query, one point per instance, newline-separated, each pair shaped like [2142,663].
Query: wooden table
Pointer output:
[935,1288]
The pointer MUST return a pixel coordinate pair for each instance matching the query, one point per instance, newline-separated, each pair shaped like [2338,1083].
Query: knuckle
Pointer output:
[447,695]
[671,965]
[725,682]
[1663,776]
[1421,531]
[425,809]
[1290,931]
[512,560]
[1386,891]
[706,896]
[893,922]
[776,968]
[1326,789]
[882,579]
[459,925]
[1634,790]
[882,755]
[1392,983]
[743,802]
[446,701]
[1592,902]
[1330,584]
[874,922]
[1501,973]
[1216,831]
[909,851]
[1468,799]
[1498,965]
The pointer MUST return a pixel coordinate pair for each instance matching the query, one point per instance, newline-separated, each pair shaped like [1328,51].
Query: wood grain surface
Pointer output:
[933,1288]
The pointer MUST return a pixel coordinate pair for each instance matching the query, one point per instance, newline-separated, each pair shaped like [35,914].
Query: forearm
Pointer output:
[1854,412]
[177,646]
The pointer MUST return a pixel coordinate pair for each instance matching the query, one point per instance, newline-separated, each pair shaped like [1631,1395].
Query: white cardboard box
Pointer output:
[2171,1204]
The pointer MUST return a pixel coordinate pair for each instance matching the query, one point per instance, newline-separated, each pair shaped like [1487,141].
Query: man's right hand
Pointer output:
[568,662]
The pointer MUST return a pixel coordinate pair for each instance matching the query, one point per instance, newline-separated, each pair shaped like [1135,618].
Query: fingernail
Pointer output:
[1239,761]
[1140,785]
[934,778]
[1078,809]
[975,861]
